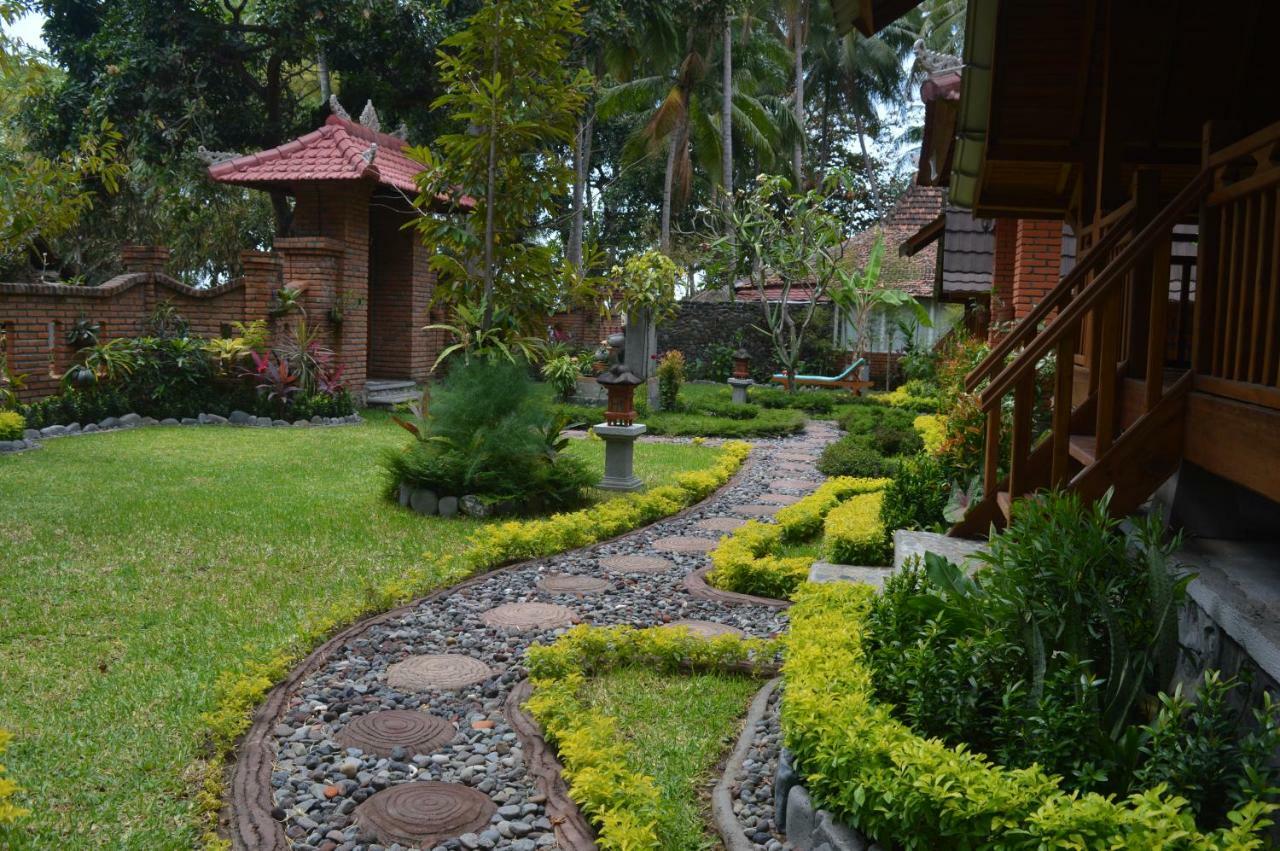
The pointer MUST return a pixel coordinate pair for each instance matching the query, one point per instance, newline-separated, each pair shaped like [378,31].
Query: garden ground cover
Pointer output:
[677,728]
[140,564]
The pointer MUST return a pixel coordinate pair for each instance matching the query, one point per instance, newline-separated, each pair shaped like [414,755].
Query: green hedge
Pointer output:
[12,425]
[623,804]
[872,772]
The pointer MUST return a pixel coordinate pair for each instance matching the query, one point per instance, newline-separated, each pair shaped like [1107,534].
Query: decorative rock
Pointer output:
[720,524]
[109,422]
[279,423]
[474,506]
[784,778]
[685,544]
[53,431]
[150,421]
[169,421]
[381,733]
[423,501]
[130,421]
[30,434]
[756,510]
[74,428]
[302,424]
[568,583]
[448,506]
[214,419]
[801,818]
[91,428]
[188,421]
[437,671]
[705,629]
[404,492]
[521,617]
[822,571]
[262,422]
[424,813]
[12,445]
[636,564]
[779,498]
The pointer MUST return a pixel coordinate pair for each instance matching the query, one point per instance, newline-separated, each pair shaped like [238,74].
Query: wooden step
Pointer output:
[1083,448]
[1006,504]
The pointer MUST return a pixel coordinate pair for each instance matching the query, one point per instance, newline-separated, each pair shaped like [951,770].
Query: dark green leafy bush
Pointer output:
[853,455]
[894,440]
[814,401]
[917,496]
[488,433]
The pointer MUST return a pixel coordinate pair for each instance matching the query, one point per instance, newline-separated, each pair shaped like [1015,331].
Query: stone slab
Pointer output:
[823,571]
[705,629]
[756,510]
[907,544]
[685,544]
[523,617]
[569,583]
[779,498]
[720,524]
[793,485]
[424,813]
[447,671]
[381,732]
[637,564]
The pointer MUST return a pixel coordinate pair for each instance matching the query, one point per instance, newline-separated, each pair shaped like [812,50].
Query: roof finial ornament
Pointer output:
[336,108]
[369,155]
[369,117]
[402,132]
[209,157]
[931,61]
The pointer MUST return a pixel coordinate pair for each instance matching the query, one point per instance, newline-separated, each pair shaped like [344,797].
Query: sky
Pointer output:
[27,28]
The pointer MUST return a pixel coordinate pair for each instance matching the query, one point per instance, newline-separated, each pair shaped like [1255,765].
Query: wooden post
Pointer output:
[1158,321]
[991,455]
[1108,352]
[1146,195]
[1216,135]
[1023,400]
[1062,392]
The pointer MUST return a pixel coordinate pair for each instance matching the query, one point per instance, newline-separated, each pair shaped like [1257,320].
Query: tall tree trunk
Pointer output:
[489,199]
[664,239]
[726,118]
[798,38]
[581,171]
[322,71]
[872,181]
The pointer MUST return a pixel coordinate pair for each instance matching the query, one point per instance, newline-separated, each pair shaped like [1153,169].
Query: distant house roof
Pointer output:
[914,274]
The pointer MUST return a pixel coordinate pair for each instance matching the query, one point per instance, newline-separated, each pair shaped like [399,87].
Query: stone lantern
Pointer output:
[741,378]
[620,429]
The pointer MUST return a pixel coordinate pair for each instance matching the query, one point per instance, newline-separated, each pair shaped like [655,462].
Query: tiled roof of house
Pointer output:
[918,206]
[339,150]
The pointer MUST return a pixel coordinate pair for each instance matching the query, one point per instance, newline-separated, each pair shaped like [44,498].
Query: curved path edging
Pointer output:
[726,820]
[696,584]
[246,815]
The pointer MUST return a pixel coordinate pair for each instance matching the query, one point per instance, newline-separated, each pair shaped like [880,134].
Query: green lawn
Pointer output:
[693,422]
[139,564]
[678,728]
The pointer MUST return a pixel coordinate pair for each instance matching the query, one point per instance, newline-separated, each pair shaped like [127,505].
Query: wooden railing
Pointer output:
[1235,351]
[1115,316]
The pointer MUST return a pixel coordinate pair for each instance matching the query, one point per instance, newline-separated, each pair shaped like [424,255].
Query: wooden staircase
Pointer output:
[1112,414]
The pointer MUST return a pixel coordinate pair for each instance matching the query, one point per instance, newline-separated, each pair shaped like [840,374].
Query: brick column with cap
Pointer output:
[1037,264]
[144,258]
[1002,278]
[261,279]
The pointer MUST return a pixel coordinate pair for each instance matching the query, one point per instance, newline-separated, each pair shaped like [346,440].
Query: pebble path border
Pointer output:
[295,786]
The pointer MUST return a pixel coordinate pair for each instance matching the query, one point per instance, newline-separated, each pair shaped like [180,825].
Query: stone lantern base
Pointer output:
[619,456]
[740,386]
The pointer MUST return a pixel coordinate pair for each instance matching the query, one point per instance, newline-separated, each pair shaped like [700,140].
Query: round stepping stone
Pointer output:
[637,564]
[685,544]
[381,732]
[570,583]
[793,485]
[706,629]
[423,814]
[798,457]
[789,467]
[446,671]
[720,524]
[779,498]
[756,510]
[522,617]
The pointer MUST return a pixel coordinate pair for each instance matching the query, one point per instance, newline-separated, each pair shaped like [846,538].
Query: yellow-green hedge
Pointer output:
[853,532]
[622,803]
[12,425]
[9,811]
[240,690]
[745,561]
[933,431]
[874,773]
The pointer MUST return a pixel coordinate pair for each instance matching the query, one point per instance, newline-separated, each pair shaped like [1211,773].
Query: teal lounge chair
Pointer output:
[845,380]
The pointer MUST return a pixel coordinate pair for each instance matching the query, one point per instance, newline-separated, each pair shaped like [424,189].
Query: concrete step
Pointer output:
[384,385]
[386,394]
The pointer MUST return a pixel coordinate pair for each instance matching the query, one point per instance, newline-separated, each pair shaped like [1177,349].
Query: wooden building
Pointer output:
[1153,131]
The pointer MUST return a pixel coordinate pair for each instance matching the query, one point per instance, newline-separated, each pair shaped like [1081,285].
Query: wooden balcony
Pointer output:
[1159,346]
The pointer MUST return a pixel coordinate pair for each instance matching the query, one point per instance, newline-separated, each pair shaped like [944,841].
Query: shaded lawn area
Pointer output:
[678,727]
[137,565]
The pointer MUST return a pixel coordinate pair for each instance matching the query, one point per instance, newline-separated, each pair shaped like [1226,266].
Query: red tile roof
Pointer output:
[334,152]
[917,207]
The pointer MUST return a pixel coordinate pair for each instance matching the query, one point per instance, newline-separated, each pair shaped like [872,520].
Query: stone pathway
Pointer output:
[399,741]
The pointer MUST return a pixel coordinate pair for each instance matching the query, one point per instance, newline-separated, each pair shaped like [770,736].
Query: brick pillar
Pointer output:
[1002,278]
[144,258]
[1037,263]
[261,280]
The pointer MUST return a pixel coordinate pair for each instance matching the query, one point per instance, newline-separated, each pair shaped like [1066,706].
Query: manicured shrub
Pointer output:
[490,434]
[721,408]
[812,400]
[852,455]
[932,429]
[875,773]
[670,377]
[9,812]
[917,496]
[12,425]
[853,533]
[865,417]
[622,803]
[894,440]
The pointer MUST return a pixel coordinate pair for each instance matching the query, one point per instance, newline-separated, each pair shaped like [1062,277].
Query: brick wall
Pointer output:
[1037,263]
[400,289]
[1002,277]
[35,318]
